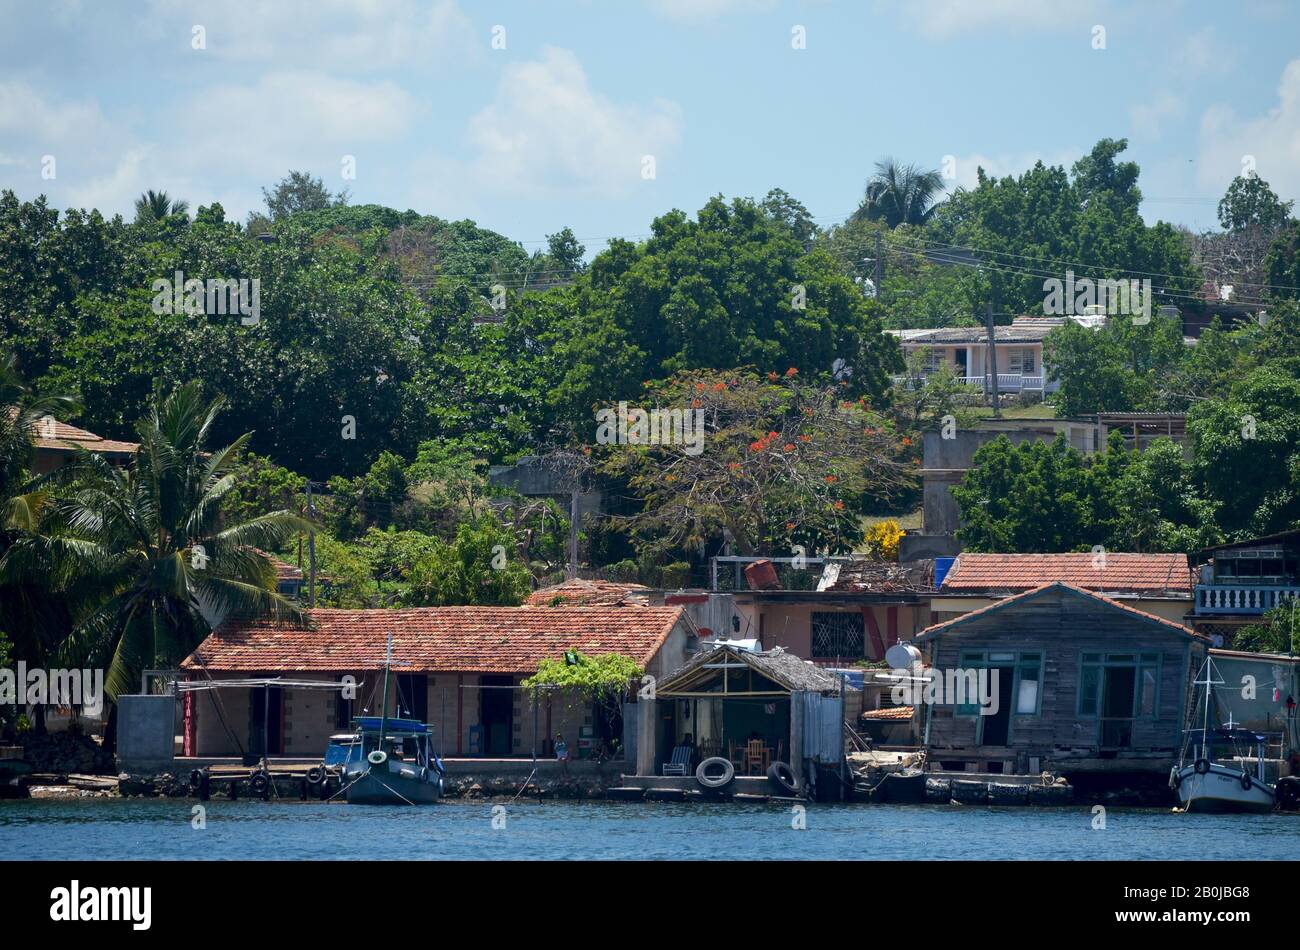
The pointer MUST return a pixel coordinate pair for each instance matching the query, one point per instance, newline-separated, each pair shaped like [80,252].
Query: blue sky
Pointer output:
[552,130]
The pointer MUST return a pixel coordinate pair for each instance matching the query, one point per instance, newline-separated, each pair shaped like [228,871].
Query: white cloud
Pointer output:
[342,35]
[940,19]
[1149,117]
[1271,139]
[547,130]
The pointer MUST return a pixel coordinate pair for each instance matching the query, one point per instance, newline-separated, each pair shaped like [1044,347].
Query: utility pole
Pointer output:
[573,533]
[880,266]
[993,360]
[311,549]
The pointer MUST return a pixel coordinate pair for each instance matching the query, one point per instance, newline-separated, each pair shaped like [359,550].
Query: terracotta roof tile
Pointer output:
[50,433]
[436,639]
[939,628]
[589,592]
[1116,572]
[892,714]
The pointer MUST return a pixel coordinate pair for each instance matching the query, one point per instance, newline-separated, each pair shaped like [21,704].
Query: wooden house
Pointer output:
[1077,682]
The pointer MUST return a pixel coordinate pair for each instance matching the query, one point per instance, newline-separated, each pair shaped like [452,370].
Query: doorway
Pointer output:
[996,728]
[265,732]
[497,713]
[962,369]
[1117,687]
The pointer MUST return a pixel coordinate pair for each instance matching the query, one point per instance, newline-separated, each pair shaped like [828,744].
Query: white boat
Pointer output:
[1222,769]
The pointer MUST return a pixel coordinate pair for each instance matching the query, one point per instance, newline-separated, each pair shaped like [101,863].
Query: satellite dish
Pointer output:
[901,656]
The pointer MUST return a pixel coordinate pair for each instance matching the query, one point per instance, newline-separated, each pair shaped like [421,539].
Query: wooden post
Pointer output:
[796,738]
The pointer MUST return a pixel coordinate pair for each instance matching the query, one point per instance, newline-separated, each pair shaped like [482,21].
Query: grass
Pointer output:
[1040,411]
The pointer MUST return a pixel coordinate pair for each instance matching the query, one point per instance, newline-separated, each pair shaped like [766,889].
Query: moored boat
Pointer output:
[1223,769]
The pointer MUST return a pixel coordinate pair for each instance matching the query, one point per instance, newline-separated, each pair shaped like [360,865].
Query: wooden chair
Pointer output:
[736,755]
[756,754]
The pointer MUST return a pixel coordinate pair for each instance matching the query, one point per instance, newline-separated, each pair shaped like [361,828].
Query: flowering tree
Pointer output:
[779,463]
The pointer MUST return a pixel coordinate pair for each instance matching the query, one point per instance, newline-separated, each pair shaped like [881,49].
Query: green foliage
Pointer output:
[900,194]
[1250,202]
[1048,497]
[1280,633]
[602,678]
[477,568]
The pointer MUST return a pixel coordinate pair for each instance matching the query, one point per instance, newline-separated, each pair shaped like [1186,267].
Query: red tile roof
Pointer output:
[50,433]
[589,592]
[1116,572]
[436,639]
[890,714]
[938,628]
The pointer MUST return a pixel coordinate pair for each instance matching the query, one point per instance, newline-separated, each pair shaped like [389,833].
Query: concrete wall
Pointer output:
[790,625]
[146,733]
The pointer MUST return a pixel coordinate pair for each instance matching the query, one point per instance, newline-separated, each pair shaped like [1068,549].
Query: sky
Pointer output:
[601,114]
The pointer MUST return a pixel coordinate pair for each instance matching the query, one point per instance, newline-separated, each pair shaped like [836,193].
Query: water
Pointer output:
[90,829]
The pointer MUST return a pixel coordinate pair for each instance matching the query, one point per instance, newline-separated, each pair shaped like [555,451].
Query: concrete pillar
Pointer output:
[647,725]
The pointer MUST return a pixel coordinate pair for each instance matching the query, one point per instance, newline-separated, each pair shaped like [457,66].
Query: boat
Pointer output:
[1222,769]
[393,763]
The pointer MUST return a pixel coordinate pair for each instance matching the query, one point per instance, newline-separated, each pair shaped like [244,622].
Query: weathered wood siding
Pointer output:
[1062,625]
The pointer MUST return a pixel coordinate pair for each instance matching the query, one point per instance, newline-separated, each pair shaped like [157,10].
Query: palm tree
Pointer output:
[899,194]
[33,612]
[156,205]
[154,536]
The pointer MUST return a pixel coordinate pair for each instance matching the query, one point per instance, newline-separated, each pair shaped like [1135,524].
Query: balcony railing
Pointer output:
[1007,382]
[1242,599]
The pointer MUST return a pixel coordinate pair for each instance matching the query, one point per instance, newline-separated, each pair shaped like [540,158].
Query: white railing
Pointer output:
[1239,599]
[1007,382]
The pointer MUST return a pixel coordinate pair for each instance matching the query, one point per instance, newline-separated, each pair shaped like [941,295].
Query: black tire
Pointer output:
[315,775]
[196,778]
[715,782]
[782,776]
[1202,766]
[260,782]
[1246,781]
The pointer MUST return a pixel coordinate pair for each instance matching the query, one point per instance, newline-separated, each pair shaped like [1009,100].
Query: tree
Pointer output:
[298,192]
[900,194]
[772,464]
[475,569]
[153,535]
[1246,452]
[36,608]
[157,205]
[1250,203]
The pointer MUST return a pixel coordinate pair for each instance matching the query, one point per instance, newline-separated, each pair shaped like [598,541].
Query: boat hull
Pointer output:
[1221,790]
[380,786]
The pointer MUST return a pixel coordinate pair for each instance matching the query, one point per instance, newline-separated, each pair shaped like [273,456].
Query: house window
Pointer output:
[1022,362]
[933,360]
[837,636]
[1026,688]
[1145,679]
[1029,680]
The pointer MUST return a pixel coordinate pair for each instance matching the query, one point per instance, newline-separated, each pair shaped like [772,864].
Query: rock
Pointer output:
[938,790]
[967,792]
[1050,794]
[1008,793]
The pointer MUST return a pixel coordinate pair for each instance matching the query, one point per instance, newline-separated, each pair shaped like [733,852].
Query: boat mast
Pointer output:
[383,709]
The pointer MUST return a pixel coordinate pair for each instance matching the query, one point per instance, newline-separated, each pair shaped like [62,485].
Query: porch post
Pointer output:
[796,738]
[647,731]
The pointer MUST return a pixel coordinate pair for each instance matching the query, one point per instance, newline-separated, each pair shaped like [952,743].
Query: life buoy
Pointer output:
[315,775]
[782,776]
[377,757]
[1202,766]
[727,776]
[1246,781]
